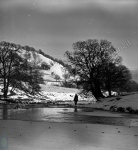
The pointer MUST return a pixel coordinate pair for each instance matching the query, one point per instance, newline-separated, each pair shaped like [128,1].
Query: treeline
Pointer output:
[54,59]
[31,49]
[131,86]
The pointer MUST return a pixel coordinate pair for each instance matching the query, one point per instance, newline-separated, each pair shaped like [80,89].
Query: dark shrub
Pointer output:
[121,109]
[113,108]
[136,111]
[118,98]
[45,66]
[130,110]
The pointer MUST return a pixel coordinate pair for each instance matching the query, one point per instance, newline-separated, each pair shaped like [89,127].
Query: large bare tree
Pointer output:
[88,59]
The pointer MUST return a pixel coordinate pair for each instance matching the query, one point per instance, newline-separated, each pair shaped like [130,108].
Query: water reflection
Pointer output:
[74,115]
[5,111]
[75,109]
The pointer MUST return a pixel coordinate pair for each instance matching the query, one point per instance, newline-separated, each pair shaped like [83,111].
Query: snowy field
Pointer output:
[124,103]
[57,93]
[52,93]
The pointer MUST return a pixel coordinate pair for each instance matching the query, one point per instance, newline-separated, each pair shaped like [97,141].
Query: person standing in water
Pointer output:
[75,99]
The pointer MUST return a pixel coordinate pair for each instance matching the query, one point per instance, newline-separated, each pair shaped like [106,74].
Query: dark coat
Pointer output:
[76,98]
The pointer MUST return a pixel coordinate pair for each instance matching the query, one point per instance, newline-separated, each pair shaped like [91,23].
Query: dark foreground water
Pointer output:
[71,115]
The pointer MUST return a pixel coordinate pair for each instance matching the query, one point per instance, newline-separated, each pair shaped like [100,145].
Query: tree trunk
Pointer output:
[92,88]
[5,91]
[109,91]
[98,93]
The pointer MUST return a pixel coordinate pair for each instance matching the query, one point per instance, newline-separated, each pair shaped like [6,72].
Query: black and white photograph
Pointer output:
[68,75]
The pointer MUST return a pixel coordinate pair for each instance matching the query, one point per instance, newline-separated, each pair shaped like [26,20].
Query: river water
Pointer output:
[70,115]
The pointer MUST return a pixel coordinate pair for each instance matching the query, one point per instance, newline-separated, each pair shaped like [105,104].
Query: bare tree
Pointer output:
[9,61]
[14,69]
[88,59]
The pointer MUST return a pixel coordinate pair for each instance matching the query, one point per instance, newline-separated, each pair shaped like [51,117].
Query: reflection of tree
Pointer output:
[5,111]
[75,109]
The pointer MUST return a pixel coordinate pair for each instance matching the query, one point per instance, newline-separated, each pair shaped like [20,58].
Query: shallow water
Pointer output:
[71,115]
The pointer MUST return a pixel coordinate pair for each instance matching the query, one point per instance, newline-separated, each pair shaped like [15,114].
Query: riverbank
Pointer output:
[127,103]
[124,104]
[20,135]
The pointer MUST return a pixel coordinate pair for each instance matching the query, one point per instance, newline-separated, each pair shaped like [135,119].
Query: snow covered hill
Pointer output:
[55,67]
[48,67]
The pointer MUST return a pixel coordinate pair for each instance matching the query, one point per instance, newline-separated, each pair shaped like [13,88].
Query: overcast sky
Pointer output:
[54,25]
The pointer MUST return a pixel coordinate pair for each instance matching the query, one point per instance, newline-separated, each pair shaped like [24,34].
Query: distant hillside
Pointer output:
[135,75]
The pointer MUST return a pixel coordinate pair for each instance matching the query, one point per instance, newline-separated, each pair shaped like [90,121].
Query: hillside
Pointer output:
[55,68]
[51,92]
[53,71]
[47,64]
